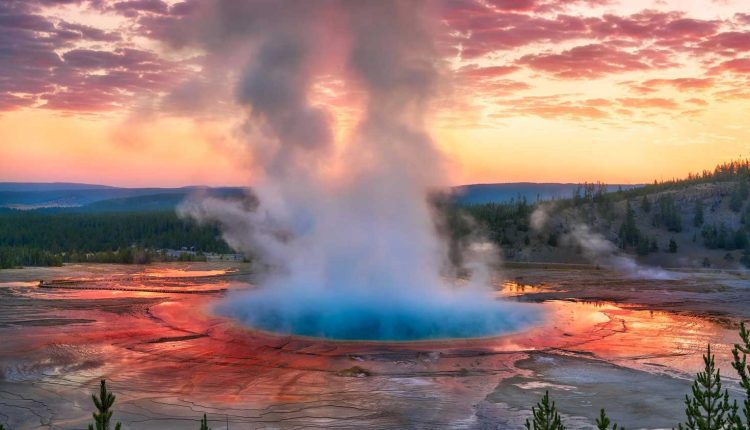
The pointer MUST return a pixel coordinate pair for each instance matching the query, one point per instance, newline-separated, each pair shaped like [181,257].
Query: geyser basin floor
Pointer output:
[169,360]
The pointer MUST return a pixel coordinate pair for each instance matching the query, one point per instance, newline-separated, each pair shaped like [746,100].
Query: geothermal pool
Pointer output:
[373,316]
[155,334]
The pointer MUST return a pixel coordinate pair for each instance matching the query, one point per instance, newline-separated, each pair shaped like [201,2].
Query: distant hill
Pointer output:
[48,186]
[147,203]
[702,221]
[532,192]
[152,202]
[102,198]
[98,198]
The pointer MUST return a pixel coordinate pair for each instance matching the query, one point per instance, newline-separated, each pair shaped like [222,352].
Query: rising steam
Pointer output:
[345,228]
[598,249]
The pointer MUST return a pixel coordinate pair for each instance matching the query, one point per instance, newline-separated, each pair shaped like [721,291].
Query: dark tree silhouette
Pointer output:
[672,246]
[544,416]
[204,423]
[646,204]
[103,404]
[602,423]
[739,353]
[698,213]
[708,408]
[629,233]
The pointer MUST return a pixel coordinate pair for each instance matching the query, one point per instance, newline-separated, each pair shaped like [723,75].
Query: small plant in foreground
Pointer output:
[602,423]
[103,404]
[739,354]
[709,408]
[204,423]
[545,416]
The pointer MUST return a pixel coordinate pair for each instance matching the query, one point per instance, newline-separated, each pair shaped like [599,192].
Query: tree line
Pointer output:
[38,238]
[507,224]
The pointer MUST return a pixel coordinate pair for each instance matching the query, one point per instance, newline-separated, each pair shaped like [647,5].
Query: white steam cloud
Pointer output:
[347,230]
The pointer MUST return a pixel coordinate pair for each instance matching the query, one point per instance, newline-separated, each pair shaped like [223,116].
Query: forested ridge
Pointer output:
[707,211]
[31,238]
[663,217]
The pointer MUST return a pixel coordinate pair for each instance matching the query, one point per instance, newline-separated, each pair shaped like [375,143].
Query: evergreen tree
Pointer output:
[740,239]
[646,204]
[602,423]
[745,259]
[643,247]
[735,201]
[545,416]
[204,423]
[629,233]
[709,408]
[668,215]
[698,214]
[552,240]
[723,236]
[103,404]
[739,353]
[672,246]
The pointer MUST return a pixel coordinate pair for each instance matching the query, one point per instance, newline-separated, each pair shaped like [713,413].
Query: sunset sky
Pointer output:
[533,90]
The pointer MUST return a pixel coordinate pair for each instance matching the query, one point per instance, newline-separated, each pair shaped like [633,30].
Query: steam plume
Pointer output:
[598,249]
[354,253]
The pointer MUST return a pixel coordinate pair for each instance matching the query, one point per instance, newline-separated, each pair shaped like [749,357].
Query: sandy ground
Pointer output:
[606,341]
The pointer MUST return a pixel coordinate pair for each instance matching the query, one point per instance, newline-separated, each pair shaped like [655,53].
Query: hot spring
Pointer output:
[365,316]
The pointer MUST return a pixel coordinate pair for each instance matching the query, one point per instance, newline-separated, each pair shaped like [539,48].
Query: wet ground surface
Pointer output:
[606,341]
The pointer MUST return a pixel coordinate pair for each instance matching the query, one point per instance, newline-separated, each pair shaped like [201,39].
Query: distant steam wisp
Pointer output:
[598,249]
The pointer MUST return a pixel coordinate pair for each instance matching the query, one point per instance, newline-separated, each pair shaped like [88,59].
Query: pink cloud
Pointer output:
[737,65]
[591,61]
[553,107]
[514,4]
[684,84]
[491,31]
[475,72]
[134,7]
[728,42]
[43,60]
[648,103]
[697,101]
[743,18]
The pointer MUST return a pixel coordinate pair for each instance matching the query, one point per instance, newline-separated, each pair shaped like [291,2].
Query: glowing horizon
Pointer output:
[534,91]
